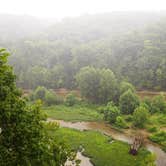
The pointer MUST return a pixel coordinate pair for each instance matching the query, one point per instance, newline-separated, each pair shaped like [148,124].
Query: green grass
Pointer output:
[159,138]
[158,119]
[155,121]
[74,113]
[99,148]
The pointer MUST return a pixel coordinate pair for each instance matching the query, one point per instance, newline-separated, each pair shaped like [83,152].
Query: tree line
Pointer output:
[133,47]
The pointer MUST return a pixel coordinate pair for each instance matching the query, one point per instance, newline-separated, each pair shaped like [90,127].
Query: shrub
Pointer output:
[140,116]
[152,129]
[40,93]
[129,118]
[160,138]
[128,102]
[125,86]
[111,112]
[120,122]
[159,104]
[71,99]
[162,119]
[148,102]
[50,98]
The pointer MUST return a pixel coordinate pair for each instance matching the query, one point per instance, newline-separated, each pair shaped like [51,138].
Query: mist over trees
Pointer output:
[130,44]
[102,60]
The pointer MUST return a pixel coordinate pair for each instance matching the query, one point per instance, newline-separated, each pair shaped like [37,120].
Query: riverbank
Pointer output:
[102,150]
[107,130]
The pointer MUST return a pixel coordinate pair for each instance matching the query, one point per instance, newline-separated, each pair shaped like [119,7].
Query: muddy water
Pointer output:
[106,129]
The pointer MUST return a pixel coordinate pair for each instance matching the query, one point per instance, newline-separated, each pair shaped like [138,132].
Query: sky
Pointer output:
[69,8]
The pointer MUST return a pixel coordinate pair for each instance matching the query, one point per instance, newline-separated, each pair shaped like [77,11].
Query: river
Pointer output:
[106,129]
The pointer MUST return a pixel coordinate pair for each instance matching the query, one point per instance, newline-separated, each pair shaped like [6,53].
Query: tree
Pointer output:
[128,102]
[50,98]
[158,104]
[70,99]
[120,122]
[89,82]
[125,86]
[57,76]
[111,112]
[97,85]
[23,138]
[40,93]
[140,116]
[108,90]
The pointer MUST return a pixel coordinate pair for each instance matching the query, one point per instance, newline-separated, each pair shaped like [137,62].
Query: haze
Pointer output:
[69,8]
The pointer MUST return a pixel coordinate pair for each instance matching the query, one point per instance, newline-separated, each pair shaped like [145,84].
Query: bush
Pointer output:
[128,102]
[50,98]
[148,102]
[162,119]
[159,138]
[159,104]
[140,116]
[152,129]
[111,112]
[120,122]
[71,99]
[40,93]
[129,118]
[125,86]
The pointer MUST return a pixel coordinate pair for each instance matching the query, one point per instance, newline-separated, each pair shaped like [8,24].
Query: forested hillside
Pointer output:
[131,44]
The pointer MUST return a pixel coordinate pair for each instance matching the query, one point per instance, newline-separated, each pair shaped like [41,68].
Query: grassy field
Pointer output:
[156,123]
[74,113]
[100,148]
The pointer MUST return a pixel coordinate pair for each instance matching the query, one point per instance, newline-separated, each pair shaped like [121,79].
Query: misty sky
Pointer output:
[63,8]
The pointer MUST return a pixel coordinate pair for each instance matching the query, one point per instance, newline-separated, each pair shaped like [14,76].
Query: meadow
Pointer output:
[101,149]
[74,113]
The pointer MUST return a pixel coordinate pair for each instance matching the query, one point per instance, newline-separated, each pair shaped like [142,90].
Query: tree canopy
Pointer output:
[133,47]
[23,137]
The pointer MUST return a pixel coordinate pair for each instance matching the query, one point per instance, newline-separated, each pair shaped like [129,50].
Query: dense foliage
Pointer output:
[140,116]
[48,97]
[111,112]
[156,105]
[97,85]
[23,138]
[133,47]
[128,102]
[159,138]
[71,99]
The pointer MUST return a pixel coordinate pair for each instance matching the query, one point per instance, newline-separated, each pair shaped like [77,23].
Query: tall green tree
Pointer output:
[98,85]
[23,138]
[140,116]
[89,83]
[128,102]
[124,86]
[111,112]
[109,90]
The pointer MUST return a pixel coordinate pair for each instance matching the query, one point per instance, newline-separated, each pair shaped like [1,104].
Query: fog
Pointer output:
[69,8]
